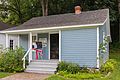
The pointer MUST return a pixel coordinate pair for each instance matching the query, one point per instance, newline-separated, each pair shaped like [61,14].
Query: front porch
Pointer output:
[43,46]
[43,50]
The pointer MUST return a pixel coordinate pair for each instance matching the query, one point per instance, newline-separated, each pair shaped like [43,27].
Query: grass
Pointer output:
[115,75]
[115,54]
[4,74]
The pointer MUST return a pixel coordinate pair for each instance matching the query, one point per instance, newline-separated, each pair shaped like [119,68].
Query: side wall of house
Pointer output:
[2,41]
[13,37]
[79,46]
[102,34]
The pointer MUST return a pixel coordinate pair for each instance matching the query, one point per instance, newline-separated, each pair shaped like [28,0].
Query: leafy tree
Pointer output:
[19,11]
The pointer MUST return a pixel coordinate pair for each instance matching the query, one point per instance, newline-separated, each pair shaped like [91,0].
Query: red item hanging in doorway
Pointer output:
[37,53]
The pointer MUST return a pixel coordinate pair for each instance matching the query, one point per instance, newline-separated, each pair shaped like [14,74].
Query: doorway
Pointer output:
[54,46]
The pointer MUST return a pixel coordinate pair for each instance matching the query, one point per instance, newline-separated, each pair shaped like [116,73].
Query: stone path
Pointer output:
[26,76]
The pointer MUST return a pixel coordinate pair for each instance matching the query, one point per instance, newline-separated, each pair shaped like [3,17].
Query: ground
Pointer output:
[26,76]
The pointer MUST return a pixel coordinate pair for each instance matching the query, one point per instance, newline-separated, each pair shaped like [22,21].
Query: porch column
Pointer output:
[30,46]
[59,45]
[98,58]
[7,40]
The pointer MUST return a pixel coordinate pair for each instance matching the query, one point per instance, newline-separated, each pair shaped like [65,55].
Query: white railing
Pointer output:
[25,57]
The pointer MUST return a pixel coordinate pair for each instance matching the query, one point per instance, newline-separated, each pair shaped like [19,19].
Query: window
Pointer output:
[34,37]
[11,44]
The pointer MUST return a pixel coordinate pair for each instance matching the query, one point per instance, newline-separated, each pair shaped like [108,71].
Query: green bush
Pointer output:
[11,60]
[109,66]
[69,67]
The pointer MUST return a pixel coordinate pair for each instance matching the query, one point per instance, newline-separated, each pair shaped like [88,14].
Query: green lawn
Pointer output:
[4,74]
[115,54]
[115,75]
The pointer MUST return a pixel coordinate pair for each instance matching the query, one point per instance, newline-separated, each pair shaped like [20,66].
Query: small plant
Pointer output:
[84,69]
[109,66]
[103,48]
[11,60]
[69,67]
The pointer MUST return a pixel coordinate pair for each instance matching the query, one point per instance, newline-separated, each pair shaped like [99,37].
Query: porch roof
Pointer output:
[4,26]
[97,17]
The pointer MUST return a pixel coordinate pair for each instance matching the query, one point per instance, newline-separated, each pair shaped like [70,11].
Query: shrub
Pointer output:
[109,66]
[69,67]
[11,60]
[84,69]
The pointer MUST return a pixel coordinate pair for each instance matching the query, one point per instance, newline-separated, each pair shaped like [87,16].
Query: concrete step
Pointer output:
[42,66]
[43,63]
[56,61]
[41,69]
[37,71]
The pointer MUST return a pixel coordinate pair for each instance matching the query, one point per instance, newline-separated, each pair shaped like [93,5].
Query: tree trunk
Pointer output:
[119,18]
[44,4]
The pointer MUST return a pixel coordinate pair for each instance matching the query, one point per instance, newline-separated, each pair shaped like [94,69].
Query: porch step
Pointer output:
[42,66]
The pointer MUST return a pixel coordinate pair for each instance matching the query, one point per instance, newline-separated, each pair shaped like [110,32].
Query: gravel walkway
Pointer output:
[26,76]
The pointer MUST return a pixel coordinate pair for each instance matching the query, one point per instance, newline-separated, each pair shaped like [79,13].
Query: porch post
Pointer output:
[6,40]
[59,45]
[30,46]
[98,58]
[18,40]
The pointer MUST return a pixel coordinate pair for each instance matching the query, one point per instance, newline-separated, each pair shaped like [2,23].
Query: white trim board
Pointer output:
[18,40]
[50,28]
[7,42]
[59,45]
[30,46]
[98,58]
[49,46]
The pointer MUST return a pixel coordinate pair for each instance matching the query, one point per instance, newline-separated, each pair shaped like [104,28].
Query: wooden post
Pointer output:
[30,46]
[59,45]
[7,41]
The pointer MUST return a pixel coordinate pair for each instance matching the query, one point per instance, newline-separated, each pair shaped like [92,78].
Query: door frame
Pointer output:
[58,32]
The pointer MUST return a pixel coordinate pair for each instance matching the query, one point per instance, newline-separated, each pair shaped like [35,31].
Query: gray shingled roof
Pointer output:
[88,17]
[4,26]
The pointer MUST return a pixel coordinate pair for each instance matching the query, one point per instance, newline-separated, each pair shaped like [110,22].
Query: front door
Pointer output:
[54,46]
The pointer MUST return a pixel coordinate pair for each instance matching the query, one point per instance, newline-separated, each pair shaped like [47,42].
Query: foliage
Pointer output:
[79,75]
[109,66]
[115,46]
[74,68]
[4,74]
[11,60]
[69,67]
[19,11]
[102,47]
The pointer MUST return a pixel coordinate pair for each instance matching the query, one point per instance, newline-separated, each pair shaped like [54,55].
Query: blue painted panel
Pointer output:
[80,46]
[24,41]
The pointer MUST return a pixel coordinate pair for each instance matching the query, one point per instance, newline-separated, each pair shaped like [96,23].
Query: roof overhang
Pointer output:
[52,28]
